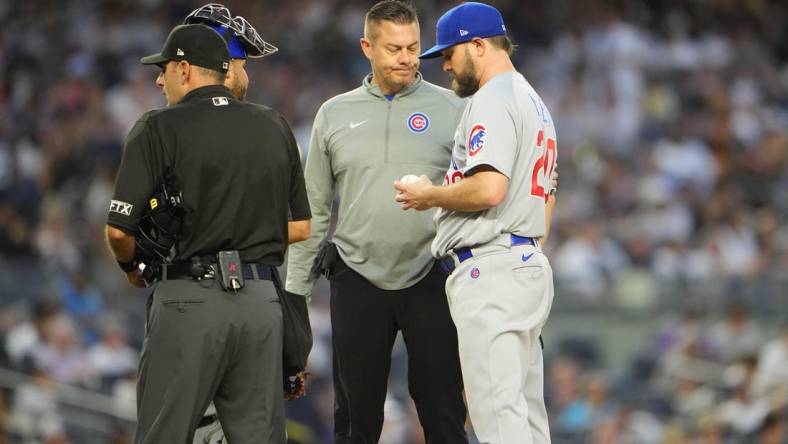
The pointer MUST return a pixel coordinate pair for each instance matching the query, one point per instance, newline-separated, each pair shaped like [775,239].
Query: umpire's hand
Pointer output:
[135,278]
[296,386]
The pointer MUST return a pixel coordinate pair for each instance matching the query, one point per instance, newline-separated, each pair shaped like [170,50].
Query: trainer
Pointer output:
[237,166]
[384,279]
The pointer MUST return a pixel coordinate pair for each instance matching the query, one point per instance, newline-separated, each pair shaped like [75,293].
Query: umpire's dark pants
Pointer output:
[365,320]
[204,344]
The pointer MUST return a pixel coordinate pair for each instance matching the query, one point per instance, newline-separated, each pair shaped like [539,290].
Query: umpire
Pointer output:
[238,170]
[384,278]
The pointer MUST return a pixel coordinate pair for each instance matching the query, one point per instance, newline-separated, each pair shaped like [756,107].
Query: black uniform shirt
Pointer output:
[237,165]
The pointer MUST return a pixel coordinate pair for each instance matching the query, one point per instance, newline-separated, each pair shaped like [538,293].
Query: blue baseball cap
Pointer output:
[234,44]
[463,23]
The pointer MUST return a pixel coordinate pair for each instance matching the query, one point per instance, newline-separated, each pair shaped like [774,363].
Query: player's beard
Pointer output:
[465,82]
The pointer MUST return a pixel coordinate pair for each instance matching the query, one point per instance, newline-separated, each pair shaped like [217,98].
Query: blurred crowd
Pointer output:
[693,381]
[672,123]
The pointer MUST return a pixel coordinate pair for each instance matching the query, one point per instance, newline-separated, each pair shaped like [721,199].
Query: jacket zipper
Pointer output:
[388,125]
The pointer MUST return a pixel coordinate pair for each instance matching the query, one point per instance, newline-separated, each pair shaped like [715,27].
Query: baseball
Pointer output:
[409,178]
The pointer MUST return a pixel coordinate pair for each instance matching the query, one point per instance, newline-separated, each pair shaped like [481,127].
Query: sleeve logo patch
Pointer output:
[476,141]
[418,122]
[123,208]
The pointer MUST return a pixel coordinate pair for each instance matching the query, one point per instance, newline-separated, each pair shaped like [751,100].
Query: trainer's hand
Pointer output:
[413,195]
[297,387]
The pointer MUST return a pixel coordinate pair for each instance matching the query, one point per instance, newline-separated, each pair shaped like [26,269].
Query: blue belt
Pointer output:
[465,253]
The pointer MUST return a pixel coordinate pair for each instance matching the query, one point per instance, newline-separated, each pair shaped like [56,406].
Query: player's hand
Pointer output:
[554,178]
[135,278]
[296,386]
[413,195]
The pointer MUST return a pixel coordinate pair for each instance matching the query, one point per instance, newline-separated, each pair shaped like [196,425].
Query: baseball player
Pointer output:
[243,43]
[494,206]
[242,39]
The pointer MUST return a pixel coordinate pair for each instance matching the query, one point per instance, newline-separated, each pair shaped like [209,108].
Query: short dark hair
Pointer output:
[503,42]
[216,76]
[396,11]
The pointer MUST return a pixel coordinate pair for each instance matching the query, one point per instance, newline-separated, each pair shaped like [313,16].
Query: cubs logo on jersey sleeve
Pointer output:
[418,122]
[476,139]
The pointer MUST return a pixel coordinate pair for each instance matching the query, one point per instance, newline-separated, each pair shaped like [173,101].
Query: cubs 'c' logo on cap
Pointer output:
[476,141]
[418,122]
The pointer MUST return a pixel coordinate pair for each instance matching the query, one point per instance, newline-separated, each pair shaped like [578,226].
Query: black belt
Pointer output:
[466,253]
[184,271]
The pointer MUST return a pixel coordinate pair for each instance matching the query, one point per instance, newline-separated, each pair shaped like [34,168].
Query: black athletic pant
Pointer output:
[365,321]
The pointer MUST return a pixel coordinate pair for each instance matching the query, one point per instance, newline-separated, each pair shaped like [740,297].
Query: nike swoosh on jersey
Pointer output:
[354,125]
[525,258]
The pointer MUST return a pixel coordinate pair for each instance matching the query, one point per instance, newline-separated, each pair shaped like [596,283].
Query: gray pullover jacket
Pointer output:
[361,142]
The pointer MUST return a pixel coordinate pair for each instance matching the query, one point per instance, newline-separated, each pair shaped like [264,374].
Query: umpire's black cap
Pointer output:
[197,44]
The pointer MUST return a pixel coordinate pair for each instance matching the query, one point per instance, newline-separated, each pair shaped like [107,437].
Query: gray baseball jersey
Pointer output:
[507,126]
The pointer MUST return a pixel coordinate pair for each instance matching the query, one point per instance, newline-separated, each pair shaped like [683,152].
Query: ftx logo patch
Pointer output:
[123,208]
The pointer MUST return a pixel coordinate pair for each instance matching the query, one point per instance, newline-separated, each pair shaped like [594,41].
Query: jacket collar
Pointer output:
[375,89]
